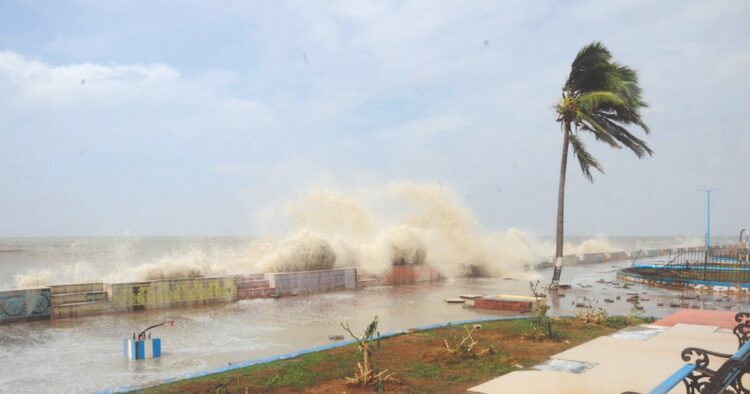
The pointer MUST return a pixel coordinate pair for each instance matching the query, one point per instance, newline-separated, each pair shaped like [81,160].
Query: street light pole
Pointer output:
[708,218]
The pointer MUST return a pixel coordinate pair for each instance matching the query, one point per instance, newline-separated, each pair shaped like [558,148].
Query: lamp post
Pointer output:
[708,220]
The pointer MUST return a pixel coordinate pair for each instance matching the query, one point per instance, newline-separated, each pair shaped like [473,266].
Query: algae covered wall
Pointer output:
[171,293]
[23,305]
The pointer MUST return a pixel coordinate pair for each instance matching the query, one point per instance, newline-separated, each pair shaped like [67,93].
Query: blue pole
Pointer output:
[708,220]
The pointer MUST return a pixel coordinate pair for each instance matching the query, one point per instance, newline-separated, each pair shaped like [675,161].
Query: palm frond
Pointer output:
[585,159]
[625,137]
[601,132]
[592,101]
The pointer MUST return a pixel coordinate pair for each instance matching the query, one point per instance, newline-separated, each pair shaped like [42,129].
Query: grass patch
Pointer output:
[419,361]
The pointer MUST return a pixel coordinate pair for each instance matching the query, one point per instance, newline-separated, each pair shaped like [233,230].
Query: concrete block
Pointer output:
[80,309]
[71,298]
[506,303]
[77,288]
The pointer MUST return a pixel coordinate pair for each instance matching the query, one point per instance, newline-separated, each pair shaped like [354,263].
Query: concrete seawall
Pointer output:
[287,283]
[25,305]
[171,293]
[406,274]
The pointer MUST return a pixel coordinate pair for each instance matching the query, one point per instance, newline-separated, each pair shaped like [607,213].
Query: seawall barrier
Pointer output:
[288,283]
[25,305]
[406,274]
[135,296]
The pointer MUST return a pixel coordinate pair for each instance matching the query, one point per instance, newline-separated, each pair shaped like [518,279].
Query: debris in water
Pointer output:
[659,304]
[455,300]
[609,300]
[336,337]
[645,298]
[470,296]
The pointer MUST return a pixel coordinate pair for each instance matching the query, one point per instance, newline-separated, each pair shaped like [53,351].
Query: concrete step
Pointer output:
[251,277]
[77,288]
[80,309]
[261,292]
[251,283]
[73,298]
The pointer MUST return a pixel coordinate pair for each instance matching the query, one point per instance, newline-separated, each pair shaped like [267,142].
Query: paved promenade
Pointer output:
[630,360]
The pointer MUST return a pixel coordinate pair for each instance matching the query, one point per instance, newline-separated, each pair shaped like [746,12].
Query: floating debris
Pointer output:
[689,296]
[625,286]
[659,304]
[645,298]
[580,305]
[609,300]
[600,281]
[561,295]
[564,287]
[336,337]
[455,300]
[638,307]
[470,296]
[617,297]
[674,305]
[632,294]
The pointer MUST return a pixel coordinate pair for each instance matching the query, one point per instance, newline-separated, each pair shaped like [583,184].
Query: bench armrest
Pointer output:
[702,357]
[674,380]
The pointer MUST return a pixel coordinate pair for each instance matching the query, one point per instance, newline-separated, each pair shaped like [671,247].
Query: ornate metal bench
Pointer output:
[700,376]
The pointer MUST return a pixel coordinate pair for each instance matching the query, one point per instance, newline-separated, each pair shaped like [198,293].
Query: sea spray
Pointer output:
[372,229]
[32,279]
[430,226]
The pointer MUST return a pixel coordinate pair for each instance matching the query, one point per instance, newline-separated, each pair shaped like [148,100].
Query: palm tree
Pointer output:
[601,97]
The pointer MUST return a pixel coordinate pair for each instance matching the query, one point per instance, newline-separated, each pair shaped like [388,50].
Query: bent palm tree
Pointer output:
[601,97]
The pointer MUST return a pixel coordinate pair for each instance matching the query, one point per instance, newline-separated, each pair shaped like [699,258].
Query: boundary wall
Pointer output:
[171,293]
[306,282]
[25,305]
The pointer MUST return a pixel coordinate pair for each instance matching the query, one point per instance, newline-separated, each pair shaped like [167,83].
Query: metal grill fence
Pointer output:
[722,263]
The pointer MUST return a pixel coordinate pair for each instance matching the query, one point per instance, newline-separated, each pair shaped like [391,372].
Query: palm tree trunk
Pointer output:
[561,207]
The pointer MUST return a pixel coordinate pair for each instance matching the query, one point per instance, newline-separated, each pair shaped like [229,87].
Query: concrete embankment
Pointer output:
[25,305]
[85,299]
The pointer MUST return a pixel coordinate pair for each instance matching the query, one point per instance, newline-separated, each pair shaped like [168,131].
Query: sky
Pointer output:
[191,118]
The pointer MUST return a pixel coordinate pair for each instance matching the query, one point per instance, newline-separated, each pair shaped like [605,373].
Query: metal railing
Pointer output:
[722,263]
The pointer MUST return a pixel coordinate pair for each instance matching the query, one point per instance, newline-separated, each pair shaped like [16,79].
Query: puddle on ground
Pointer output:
[555,364]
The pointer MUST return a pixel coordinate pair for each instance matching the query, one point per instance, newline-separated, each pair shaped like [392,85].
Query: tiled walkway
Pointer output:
[625,361]
[700,317]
